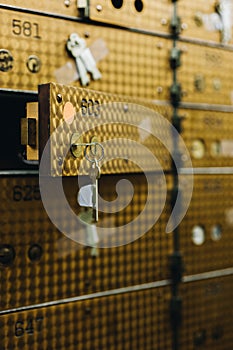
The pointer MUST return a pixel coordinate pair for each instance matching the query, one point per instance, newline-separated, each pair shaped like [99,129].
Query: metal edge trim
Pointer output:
[112,292]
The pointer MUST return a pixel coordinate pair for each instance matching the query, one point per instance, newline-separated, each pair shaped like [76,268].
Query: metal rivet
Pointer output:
[160,45]
[59,98]
[159,89]
[35,252]
[164,21]
[60,161]
[184,26]
[67,3]
[87,34]
[99,8]
[7,254]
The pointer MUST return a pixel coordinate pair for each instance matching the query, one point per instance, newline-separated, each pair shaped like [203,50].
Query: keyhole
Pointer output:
[33,64]
[138,5]
[117,3]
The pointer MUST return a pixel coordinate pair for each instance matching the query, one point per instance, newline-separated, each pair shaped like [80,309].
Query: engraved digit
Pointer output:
[27,28]
[37,31]
[84,107]
[36,193]
[97,108]
[19,330]
[90,107]
[16,24]
[29,329]
[17,193]
[28,193]
[39,323]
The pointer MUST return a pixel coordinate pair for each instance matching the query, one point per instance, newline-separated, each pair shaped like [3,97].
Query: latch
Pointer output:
[29,131]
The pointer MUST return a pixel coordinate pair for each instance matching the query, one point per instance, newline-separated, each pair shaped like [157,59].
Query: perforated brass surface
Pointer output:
[130,63]
[205,74]
[59,7]
[68,269]
[114,120]
[199,20]
[208,137]
[205,232]
[207,314]
[132,320]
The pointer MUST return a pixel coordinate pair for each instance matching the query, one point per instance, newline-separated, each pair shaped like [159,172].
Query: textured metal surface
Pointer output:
[130,63]
[112,119]
[52,7]
[205,74]
[207,314]
[211,206]
[208,137]
[68,269]
[199,20]
[133,320]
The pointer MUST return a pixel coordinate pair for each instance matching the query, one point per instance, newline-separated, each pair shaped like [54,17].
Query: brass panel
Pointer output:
[206,230]
[130,63]
[145,15]
[208,135]
[205,74]
[207,314]
[65,268]
[59,7]
[114,120]
[133,320]
[201,21]
[198,19]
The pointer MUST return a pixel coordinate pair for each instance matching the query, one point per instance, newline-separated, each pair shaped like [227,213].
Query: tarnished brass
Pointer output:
[205,74]
[114,120]
[48,266]
[126,321]
[208,136]
[205,232]
[206,314]
[130,63]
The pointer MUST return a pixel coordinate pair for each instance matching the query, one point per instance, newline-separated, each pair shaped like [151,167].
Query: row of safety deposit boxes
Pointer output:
[39,264]
[208,21]
[35,50]
[131,319]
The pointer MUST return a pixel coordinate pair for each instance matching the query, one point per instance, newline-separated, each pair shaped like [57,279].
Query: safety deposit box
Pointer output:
[35,50]
[40,264]
[203,21]
[207,314]
[127,135]
[208,136]
[205,232]
[137,319]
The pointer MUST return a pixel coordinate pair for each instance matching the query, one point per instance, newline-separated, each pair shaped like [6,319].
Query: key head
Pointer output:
[75,45]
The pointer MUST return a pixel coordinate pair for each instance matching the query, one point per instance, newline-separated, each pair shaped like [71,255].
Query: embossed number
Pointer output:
[25,28]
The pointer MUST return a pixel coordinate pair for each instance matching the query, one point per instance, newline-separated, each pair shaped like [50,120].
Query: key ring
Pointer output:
[94,159]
